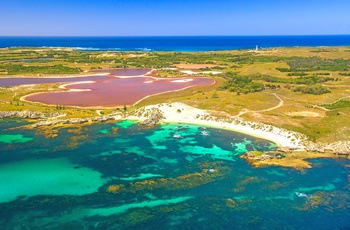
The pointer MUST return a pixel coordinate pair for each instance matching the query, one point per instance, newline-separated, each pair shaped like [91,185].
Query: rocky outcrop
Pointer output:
[286,149]
[28,114]
[74,121]
[155,116]
[257,156]
[338,148]
[46,123]
[263,157]
[48,119]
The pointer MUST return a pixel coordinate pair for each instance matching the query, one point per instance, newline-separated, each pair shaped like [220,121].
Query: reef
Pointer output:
[210,172]
[330,201]
[296,159]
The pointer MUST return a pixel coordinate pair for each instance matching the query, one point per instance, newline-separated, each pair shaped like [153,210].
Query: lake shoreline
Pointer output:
[119,88]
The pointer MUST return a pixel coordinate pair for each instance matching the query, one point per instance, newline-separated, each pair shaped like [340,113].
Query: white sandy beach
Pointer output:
[190,72]
[181,113]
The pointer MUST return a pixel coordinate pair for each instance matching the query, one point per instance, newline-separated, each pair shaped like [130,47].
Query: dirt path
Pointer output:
[272,108]
[244,111]
[323,108]
[340,99]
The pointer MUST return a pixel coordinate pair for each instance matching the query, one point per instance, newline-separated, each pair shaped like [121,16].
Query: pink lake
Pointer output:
[119,88]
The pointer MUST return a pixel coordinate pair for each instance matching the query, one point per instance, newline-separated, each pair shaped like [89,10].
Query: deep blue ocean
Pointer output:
[176,43]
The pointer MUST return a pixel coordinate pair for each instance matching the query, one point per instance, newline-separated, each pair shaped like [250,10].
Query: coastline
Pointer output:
[177,112]
[293,149]
[287,141]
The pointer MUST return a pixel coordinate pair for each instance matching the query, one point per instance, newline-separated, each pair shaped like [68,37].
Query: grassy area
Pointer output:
[310,70]
[10,100]
[13,69]
[337,105]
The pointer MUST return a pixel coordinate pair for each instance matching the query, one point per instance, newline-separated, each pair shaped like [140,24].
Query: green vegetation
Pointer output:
[297,74]
[315,89]
[251,58]
[307,80]
[241,84]
[60,107]
[316,63]
[55,69]
[337,105]
[215,95]
[320,50]
[249,84]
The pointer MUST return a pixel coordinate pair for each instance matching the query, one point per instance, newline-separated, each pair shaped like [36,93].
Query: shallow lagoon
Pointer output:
[120,87]
[171,176]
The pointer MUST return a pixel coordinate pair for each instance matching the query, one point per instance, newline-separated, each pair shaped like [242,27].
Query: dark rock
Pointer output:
[250,155]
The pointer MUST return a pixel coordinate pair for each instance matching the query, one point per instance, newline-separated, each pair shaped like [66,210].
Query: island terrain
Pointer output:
[295,97]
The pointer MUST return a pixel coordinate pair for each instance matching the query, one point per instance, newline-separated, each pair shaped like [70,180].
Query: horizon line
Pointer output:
[175,35]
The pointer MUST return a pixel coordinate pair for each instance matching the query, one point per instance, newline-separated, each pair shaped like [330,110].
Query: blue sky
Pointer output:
[173,17]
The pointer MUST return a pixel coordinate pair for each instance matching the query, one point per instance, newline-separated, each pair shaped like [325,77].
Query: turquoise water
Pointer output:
[172,176]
